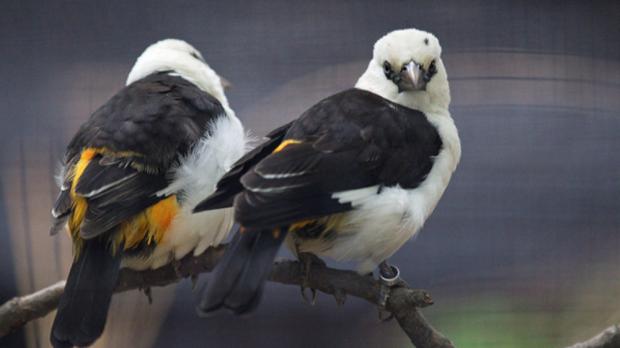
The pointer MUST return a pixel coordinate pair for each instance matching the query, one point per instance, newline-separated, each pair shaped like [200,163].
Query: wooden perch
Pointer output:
[402,302]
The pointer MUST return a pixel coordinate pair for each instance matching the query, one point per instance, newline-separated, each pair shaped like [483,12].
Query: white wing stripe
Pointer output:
[357,196]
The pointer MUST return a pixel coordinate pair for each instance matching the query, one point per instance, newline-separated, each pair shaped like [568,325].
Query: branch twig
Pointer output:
[610,338]
[20,310]
[402,302]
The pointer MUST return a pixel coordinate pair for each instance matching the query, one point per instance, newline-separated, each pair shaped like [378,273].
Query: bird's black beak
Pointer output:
[412,77]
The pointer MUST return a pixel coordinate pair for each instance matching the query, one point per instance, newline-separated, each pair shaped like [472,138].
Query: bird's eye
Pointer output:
[432,69]
[195,55]
[387,68]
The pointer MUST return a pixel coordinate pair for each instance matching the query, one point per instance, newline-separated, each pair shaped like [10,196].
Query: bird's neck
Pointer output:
[183,66]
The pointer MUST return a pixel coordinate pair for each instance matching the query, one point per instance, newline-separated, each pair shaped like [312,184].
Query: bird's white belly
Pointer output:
[188,232]
[372,232]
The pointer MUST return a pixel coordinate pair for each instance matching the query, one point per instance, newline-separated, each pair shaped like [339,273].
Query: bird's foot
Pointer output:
[389,277]
[194,279]
[148,293]
[340,296]
[308,261]
[176,265]
[384,315]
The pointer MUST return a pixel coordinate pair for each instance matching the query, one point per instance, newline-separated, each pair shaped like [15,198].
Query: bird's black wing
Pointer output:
[158,117]
[229,185]
[133,139]
[352,140]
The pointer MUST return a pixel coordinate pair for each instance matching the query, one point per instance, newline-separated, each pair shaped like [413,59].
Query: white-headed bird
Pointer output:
[132,175]
[352,179]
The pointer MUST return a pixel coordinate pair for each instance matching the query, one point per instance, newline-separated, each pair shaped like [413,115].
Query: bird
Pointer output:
[131,176]
[351,179]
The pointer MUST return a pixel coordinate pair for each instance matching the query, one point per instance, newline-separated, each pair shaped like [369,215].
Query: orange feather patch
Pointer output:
[148,226]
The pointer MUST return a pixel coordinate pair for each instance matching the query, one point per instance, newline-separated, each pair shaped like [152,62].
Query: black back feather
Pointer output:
[159,117]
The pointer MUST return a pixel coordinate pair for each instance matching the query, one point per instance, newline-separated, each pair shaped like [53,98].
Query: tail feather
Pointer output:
[225,275]
[83,307]
[238,280]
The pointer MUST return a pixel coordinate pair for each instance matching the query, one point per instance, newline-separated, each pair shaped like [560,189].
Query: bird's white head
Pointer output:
[407,69]
[182,59]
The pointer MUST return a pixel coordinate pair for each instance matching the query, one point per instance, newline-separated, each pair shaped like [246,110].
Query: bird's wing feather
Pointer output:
[157,118]
[138,136]
[298,183]
[115,193]
[229,185]
[350,141]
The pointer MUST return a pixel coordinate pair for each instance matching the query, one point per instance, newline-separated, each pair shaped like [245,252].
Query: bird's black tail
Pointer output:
[237,281]
[84,305]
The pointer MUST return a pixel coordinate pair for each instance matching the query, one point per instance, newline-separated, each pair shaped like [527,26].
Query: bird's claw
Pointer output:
[194,279]
[340,297]
[308,261]
[311,300]
[148,293]
[385,316]
[176,265]
[389,277]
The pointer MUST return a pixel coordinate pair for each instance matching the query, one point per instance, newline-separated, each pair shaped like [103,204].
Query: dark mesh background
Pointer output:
[522,251]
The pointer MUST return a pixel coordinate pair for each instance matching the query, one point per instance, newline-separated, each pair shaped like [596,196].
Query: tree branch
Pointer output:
[20,310]
[610,338]
[402,302]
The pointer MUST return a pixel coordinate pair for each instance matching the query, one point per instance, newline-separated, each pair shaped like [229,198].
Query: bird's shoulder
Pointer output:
[358,119]
[158,117]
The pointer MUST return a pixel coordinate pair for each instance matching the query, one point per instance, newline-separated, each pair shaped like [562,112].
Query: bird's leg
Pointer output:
[307,261]
[176,265]
[148,293]
[389,276]
[388,273]
[194,279]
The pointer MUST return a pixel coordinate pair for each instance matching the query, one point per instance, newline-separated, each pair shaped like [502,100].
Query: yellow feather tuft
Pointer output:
[286,143]
[149,226]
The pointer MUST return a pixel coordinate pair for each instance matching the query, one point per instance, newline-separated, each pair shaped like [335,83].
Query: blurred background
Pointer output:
[522,251]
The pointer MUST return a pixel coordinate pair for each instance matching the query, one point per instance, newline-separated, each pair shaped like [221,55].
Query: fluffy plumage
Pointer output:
[352,178]
[132,175]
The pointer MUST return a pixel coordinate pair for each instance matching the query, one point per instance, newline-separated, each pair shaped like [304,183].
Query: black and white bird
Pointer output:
[132,175]
[352,179]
